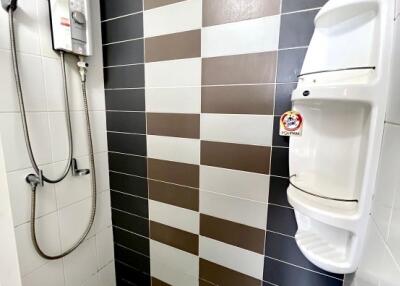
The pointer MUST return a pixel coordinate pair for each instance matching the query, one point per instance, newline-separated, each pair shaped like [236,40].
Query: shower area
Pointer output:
[147,152]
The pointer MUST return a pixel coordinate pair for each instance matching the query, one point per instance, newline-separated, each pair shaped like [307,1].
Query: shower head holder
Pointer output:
[9,4]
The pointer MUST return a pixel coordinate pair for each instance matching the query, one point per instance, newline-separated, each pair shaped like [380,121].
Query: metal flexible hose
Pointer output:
[23,111]
[32,158]
[94,195]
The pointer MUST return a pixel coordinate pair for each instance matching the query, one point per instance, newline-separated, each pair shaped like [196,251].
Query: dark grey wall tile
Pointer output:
[130,222]
[125,100]
[283,98]
[129,122]
[282,220]
[124,77]
[134,205]
[133,259]
[127,143]
[135,277]
[128,164]
[290,63]
[129,184]
[114,8]
[121,29]
[124,53]
[132,241]
[280,162]
[284,248]
[278,140]
[278,191]
[283,274]
[297,29]
[295,5]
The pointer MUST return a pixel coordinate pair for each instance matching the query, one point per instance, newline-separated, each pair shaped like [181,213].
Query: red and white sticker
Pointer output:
[291,124]
[65,22]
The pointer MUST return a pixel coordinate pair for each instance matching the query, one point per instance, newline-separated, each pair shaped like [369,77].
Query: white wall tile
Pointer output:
[235,183]
[236,258]
[172,265]
[80,265]
[44,29]
[31,80]
[182,16]
[176,149]
[105,247]
[26,28]
[176,217]
[15,153]
[72,189]
[53,84]
[20,195]
[73,221]
[247,212]
[173,100]
[103,212]
[394,228]
[102,175]
[92,281]
[48,238]
[99,133]
[241,129]
[107,275]
[185,72]
[251,36]
[50,274]
[387,180]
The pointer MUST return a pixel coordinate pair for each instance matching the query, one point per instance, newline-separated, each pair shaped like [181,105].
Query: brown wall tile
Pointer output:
[247,99]
[156,282]
[173,46]
[226,11]
[240,235]
[150,4]
[239,69]
[180,196]
[222,276]
[174,172]
[175,125]
[174,237]
[248,158]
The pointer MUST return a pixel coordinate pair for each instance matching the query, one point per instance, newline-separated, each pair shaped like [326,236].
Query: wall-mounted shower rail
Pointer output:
[336,70]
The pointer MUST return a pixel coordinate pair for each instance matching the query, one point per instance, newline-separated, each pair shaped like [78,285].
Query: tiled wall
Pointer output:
[194,91]
[63,209]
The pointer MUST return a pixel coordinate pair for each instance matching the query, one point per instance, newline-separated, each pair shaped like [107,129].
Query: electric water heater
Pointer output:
[70,24]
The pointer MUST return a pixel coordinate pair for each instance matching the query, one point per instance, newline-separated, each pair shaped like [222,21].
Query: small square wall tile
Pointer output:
[283,98]
[297,29]
[296,5]
[125,100]
[280,162]
[278,140]
[284,248]
[284,274]
[278,191]
[130,275]
[281,220]
[111,8]
[290,63]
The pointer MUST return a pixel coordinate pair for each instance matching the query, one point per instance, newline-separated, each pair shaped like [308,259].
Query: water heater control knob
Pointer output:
[79,17]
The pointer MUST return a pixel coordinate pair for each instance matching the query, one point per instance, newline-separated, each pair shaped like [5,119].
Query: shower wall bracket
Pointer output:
[333,165]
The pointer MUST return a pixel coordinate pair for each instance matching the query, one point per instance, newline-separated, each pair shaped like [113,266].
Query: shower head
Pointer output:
[78,172]
[9,4]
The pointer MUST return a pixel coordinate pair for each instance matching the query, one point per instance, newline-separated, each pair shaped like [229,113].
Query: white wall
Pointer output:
[380,265]
[63,209]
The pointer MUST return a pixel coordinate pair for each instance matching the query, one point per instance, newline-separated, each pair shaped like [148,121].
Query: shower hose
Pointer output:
[38,178]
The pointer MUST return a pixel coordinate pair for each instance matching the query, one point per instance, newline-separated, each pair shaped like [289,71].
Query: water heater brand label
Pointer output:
[291,124]
[65,22]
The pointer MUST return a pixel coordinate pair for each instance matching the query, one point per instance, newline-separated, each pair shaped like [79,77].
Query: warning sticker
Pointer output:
[291,124]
